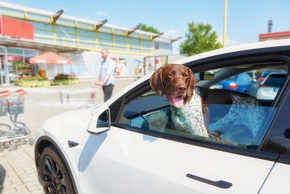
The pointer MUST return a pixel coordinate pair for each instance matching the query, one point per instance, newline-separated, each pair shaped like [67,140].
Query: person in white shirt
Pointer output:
[106,77]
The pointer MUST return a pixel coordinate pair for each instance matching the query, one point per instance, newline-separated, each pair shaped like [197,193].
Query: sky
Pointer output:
[246,19]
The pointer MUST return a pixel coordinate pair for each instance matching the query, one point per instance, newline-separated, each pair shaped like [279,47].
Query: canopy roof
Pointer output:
[49,58]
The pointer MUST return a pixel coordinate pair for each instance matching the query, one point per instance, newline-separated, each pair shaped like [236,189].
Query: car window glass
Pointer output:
[232,78]
[150,113]
[275,80]
[103,120]
[247,78]
[153,113]
[232,131]
[278,138]
[243,78]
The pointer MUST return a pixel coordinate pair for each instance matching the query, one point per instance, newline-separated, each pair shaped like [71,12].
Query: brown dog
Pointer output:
[178,83]
[188,110]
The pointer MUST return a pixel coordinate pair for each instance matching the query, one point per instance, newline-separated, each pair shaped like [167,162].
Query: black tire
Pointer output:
[54,174]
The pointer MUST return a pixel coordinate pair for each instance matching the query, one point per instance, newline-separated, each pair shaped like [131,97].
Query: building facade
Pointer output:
[274,36]
[26,32]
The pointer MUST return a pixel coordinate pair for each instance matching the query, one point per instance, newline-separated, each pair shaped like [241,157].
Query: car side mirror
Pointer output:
[100,122]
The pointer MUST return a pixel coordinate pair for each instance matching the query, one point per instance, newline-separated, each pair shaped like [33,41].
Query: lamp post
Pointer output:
[225,22]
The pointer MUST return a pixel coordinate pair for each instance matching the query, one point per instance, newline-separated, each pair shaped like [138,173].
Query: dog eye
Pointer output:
[172,73]
[185,75]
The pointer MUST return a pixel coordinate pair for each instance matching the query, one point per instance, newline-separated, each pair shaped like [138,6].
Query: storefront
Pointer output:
[14,63]
[77,39]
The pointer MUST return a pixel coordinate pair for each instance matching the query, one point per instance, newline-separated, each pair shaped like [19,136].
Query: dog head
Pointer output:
[176,81]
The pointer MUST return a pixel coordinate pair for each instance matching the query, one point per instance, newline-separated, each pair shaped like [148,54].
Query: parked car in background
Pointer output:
[240,82]
[270,86]
[128,144]
[254,75]
[266,72]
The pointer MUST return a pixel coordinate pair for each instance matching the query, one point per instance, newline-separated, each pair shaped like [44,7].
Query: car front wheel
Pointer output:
[54,174]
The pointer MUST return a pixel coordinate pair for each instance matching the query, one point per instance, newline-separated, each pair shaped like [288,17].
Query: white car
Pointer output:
[128,145]
[271,85]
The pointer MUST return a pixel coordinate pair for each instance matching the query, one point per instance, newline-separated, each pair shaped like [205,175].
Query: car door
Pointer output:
[121,161]
[278,141]
[131,159]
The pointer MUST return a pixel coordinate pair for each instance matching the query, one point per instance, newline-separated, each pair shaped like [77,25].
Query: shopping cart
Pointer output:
[83,97]
[3,105]
[12,104]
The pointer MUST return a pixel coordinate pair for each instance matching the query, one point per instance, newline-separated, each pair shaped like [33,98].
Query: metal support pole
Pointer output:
[225,22]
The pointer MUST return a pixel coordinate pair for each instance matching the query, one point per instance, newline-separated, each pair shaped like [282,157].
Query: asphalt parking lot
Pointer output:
[17,168]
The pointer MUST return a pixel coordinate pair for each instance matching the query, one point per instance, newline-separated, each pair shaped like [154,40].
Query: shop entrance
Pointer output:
[4,72]
[7,71]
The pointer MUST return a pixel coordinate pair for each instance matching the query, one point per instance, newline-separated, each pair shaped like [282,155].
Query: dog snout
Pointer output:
[181,88]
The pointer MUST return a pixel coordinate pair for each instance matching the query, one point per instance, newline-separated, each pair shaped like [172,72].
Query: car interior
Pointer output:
[148,113]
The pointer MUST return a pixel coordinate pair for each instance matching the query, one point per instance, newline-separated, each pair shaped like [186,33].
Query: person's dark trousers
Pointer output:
[108,91]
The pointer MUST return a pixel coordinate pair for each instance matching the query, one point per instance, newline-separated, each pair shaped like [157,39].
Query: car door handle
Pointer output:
[221,184]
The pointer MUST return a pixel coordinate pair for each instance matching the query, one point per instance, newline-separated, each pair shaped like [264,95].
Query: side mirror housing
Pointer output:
[100,122]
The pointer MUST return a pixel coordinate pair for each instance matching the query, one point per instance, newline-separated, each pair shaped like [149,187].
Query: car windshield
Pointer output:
[275,80]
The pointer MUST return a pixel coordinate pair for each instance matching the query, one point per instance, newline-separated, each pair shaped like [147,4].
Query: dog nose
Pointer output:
[181,87]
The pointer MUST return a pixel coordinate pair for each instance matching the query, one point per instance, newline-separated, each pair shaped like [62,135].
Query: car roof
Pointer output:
[270,46]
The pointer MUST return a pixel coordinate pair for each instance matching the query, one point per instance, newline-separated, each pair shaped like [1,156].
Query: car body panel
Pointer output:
[120,157]
[52,129]
[275,183]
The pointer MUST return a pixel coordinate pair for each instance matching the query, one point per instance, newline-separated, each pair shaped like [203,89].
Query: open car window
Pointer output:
[235,131]
[150,113]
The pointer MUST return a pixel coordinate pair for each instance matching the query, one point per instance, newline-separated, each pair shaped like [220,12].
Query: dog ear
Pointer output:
[156,81]
[191,81]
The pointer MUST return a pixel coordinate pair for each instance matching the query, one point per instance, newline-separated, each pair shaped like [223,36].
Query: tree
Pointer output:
[199,38]
[147,28]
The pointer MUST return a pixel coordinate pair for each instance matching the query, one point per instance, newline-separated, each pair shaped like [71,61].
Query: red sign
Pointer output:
[16,28]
